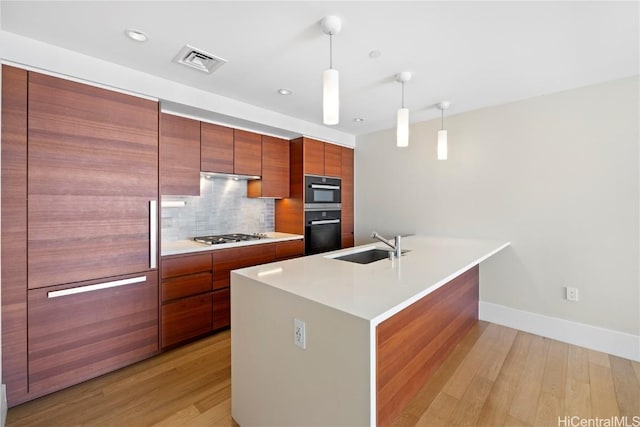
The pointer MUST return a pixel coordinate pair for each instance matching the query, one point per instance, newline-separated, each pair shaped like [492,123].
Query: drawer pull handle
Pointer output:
[97,286]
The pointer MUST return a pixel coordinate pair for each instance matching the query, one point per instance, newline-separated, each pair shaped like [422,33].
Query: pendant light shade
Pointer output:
[331,80]
[402,137]
[442,145]
[402,126]
[331,97]
[442,133]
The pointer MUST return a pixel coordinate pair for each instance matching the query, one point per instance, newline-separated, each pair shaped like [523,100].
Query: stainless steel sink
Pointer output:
[365,257]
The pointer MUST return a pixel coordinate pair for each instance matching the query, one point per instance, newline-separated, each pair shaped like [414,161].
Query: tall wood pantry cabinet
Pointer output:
[79,215]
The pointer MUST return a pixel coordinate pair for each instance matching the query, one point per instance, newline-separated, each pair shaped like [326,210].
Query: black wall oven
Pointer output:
[321,192]
[322,214]
[321,231]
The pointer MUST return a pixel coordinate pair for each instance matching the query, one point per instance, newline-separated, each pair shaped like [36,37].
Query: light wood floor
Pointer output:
[496,376]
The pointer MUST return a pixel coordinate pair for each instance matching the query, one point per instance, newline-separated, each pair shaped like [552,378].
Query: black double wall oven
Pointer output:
[322,214]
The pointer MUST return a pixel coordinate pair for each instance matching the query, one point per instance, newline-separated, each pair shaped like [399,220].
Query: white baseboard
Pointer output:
[3,405]
[605,340]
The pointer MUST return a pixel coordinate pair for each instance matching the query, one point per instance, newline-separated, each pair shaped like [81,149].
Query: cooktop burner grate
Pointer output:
[228,238]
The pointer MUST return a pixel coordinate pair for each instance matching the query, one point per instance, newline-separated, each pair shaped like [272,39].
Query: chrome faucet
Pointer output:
[396,245]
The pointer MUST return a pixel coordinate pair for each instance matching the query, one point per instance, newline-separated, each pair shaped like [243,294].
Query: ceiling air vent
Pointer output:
[199,59]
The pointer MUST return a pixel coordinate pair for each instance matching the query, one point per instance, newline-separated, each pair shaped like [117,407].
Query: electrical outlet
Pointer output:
[299,335]
[572,294]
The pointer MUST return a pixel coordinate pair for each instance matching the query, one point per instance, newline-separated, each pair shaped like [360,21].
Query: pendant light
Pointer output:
[330,82]
[402,131]
[442,133]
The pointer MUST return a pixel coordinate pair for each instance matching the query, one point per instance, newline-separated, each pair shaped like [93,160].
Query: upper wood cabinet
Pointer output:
[247,153]
[93,170]
[216,148]
[227,150]
[321,158]
[332,160]
[275,170]
[313,156]
[179,156]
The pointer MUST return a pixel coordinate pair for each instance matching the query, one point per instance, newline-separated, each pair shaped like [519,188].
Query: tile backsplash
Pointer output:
[222,207]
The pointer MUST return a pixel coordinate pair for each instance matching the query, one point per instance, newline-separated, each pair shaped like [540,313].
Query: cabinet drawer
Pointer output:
[78,336]
[188,264]
[225,260]
[289,249]
[185,319]
[184,286]
[221,308]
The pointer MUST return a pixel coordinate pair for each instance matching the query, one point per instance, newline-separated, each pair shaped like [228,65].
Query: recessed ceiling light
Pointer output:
[358,119]
[136,35]
[285,91]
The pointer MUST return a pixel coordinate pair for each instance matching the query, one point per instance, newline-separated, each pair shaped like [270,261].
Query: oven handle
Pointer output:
[325,186]
[325,221]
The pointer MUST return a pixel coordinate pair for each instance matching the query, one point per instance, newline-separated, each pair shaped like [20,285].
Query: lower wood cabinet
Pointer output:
[221,308]
[186,318]
[196,288]
[289,249]
[80,332]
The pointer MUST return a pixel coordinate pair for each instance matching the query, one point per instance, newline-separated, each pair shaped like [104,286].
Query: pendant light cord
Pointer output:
[330,51]
[402,94]
[442,119]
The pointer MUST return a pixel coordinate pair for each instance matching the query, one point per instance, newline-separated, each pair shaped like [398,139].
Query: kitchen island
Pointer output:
[369,335]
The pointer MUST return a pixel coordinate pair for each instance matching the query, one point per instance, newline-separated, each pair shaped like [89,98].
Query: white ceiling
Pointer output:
[474,54]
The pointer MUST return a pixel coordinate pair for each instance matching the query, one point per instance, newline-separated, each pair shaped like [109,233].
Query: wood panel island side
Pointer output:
[373,333]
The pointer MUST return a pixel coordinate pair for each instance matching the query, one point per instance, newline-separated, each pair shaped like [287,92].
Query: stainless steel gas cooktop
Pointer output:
[228,238]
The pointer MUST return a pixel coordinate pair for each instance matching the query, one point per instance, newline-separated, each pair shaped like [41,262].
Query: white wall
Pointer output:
[557,175]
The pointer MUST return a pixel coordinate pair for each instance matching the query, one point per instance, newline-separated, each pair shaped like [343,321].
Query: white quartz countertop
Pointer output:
[378,290]
[177,247]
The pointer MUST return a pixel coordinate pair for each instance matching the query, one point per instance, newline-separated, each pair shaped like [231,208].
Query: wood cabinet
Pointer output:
[179,156]
[225,260]
[221,308]
[289,249]
[227,150]
[274,180]
[313,156]
[216,148]
[93,170]
[187,306]
[321,158]
[80,216]
[247,153]
[346,174]
[82,335]
[332,160]
[14,233]
[196,287]
[186,318]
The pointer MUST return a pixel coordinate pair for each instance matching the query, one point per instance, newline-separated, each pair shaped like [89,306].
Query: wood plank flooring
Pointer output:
[496,376]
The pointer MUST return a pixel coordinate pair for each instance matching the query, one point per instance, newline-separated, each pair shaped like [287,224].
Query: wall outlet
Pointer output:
[572,294]
[299,335]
